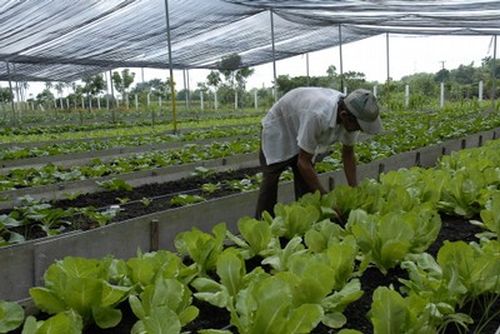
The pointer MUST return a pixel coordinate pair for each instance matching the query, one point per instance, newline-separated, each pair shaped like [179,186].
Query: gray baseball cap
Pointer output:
[363,104]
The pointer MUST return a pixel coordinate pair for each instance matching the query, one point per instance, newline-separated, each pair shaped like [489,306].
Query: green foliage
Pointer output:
[202,248]
[81,285]
[115,184]
[68,322]
[11,316]
[185,199]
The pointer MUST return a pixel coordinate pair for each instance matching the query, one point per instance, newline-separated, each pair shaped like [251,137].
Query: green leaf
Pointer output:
[230,268]
[47,301]
[11,316]
[136,306]
[334,320]
[113,294]
[30,325]
[106,317]
[162,320]
[304,319]
[68,322]
[389,313]
[188,314]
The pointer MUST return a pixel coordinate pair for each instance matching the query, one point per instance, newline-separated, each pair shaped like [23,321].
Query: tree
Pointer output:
[122,82]
[45,96]
[6,95]
[234,74]
[94,84]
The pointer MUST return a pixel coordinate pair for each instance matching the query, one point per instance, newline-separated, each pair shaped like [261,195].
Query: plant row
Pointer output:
[69,134]
[15,153]
[307,263]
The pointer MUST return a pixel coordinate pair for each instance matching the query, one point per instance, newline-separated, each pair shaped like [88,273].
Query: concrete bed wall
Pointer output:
[23,265]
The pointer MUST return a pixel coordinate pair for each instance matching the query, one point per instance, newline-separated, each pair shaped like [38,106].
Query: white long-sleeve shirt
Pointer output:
[304,118]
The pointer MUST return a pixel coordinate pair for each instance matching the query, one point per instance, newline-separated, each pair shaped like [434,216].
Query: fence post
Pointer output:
[67,103]
[201,101]
[83,103]
[255,100]
[216,104]
[407,95]
[235,100]
[98,103]
[90,103]
[136,103]
[480,95]
[375,90]
[441,96]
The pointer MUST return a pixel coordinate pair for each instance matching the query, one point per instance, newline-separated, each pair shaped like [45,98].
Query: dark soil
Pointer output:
[159,195]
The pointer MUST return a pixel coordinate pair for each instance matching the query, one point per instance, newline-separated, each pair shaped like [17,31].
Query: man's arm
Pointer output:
[306,169]
[349,165]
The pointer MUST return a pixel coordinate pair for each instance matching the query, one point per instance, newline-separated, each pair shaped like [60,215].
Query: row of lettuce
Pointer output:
[309,265]
[58,133]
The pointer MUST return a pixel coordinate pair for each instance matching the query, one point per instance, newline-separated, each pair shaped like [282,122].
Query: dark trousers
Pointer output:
[268,194]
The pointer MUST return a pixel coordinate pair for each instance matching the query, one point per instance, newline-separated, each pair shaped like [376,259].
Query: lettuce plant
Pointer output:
[203,248]
[393,314]
[164,305]
[255,236]
[11,316]
[81,285]
[144,269]
[294,219]
[491,214]
[67,322]
[384,240]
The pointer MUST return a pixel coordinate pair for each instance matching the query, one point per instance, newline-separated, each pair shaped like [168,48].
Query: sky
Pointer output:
[407,55]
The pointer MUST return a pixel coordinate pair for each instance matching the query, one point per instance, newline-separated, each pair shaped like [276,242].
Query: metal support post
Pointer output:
[14,121]
[407,95]
[480,92]
[375,90]
[275,92]
[216,103]
[307,70]
[170,67]
[136,98]
[201,100]
[493,73]
[387,52]
[185,88]
[255,99]
[188,89]
[341,59]
[441,96]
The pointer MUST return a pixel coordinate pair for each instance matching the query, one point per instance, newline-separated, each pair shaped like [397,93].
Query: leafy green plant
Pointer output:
[203,248]
[294,219]
[69,322]
[185,199]
[255,236]
[146,201]
[81,285]
[164,305]
[11,316]
[102,218]
[7,236]
[210,188]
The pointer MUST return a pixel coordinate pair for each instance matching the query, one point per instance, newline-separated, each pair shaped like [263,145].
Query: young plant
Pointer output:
[115,184]
[81,285]
[185,199]
[68,322]
[11,316]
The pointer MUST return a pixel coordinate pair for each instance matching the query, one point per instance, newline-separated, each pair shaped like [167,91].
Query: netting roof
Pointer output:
[65,40]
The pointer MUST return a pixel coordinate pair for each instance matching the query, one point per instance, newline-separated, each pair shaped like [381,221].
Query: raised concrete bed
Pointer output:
[23,265]
[80,158]
[158,175]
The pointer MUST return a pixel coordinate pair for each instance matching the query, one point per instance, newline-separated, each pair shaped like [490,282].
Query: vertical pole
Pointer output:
[67,103]
[387,53]
[480,93]
[127,102]
[275,93]
[142,74]
[136,103]
[17,86]
[235,99]
[375,90]
[113,115]
[83,102]
[170,67]
[148,97]
[255,99]
[98,103]
[441,96]
[61,104]
[307,69]
[185,88]
[202,105]
[493,73]
[216,103]
[341,60]
[407,95]
[90,103]
[188,89]
[14,122]
[107,90]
